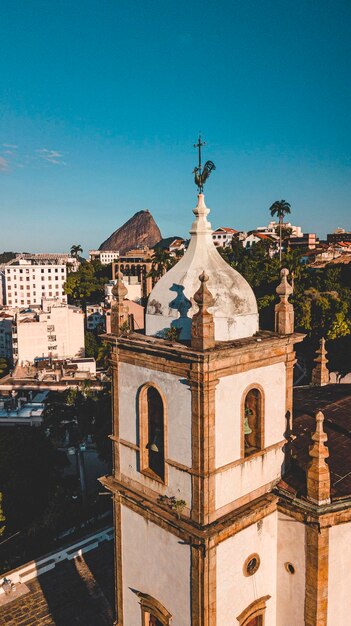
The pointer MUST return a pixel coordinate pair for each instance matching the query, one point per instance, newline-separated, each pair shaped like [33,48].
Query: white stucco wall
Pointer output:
[291,587]
[339,596]
[178,400]
[229,392]
[157,563]
[242,479]
[234,590]
[179,483]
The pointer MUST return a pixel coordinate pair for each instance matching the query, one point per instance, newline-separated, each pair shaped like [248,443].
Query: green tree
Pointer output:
[162,261]
[87,283]
[280,208]
[76,249]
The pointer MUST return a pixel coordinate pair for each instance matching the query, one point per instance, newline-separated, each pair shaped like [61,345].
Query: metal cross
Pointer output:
[199,145]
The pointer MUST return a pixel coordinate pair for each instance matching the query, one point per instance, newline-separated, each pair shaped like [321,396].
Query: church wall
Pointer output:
[229,393]
[246,477]
[290,587]
[179,483]
[235,591]
[339,596]
[157,563]
[178,408]
[178,401]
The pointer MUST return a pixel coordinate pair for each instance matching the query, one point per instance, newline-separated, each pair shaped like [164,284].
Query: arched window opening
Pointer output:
[155,433]
[153,612]
[253,422]
[254,615]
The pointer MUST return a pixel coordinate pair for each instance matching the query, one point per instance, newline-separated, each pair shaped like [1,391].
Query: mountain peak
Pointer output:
[139,231]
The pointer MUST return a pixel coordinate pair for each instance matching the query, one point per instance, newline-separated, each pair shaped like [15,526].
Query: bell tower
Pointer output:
[199,437]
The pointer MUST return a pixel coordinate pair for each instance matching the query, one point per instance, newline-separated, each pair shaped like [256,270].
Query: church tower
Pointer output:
[201,419]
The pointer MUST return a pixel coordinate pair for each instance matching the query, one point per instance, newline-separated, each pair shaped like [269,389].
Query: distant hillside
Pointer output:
[5,257]
[140,230]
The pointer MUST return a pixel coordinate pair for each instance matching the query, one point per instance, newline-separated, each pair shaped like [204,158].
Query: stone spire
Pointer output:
[318,474]
[119,312]
[320,373]
[202,324]
[284,311]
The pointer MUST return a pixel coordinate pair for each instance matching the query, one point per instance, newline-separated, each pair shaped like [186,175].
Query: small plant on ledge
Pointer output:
[172,334]
[173,504]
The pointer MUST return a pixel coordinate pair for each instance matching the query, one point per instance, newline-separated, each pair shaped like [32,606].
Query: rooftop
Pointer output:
[76,591]
[335,402]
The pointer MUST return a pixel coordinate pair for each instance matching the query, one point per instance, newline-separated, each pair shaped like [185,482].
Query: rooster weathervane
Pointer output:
[201,174]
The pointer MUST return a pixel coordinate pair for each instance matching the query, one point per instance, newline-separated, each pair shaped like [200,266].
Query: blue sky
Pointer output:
[102,100]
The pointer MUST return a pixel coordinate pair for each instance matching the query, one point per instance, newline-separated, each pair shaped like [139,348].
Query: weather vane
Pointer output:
[202,173]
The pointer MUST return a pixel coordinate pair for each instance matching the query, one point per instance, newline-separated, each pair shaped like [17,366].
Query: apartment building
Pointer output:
[54,330]
[25,282]
[104,256]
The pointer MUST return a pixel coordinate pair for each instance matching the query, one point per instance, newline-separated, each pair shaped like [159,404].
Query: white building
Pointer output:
[26,282]
[95,316]
[223,236]
[273,229]
[104,256]
[54,330]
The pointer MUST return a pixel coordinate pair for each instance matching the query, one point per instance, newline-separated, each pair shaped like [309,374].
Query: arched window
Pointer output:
[254,615]
[152,432]
[153,612]
[252,421]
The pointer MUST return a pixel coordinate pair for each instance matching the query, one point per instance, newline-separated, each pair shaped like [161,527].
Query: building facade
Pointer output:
[26,282]
[104,256]
[223,236]
[53,330]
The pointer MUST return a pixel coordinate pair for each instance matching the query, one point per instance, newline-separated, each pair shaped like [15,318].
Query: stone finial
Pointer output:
[119,290]
[320,373]
[119,312]
[318,474]
[202,324]
[284,311]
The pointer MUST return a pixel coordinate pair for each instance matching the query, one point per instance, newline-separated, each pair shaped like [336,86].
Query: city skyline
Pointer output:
[101,106]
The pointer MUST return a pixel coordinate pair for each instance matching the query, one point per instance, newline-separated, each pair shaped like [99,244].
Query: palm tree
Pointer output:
[75,250]
[280,208]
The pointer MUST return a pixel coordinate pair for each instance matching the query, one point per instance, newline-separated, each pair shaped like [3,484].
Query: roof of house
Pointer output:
[225,229]
[76,591]
[335,402]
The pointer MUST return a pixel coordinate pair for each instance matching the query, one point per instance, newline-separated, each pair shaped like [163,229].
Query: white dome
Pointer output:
[171,301]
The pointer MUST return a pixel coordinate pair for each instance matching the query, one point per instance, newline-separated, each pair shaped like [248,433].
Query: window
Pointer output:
[153,612]
[152,432]
[252,421]
[254,614]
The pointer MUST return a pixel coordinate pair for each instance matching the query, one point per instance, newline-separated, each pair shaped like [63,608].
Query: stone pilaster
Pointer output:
[320,373]
[284,311]
[119,312]
[318,474]
[317,558]
[202,324]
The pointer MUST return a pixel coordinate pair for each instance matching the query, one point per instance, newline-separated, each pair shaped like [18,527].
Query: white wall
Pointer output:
[291,587]
[157,563]
[178,405]
[234,590]
[229,393]
[339,596]
[244,478]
